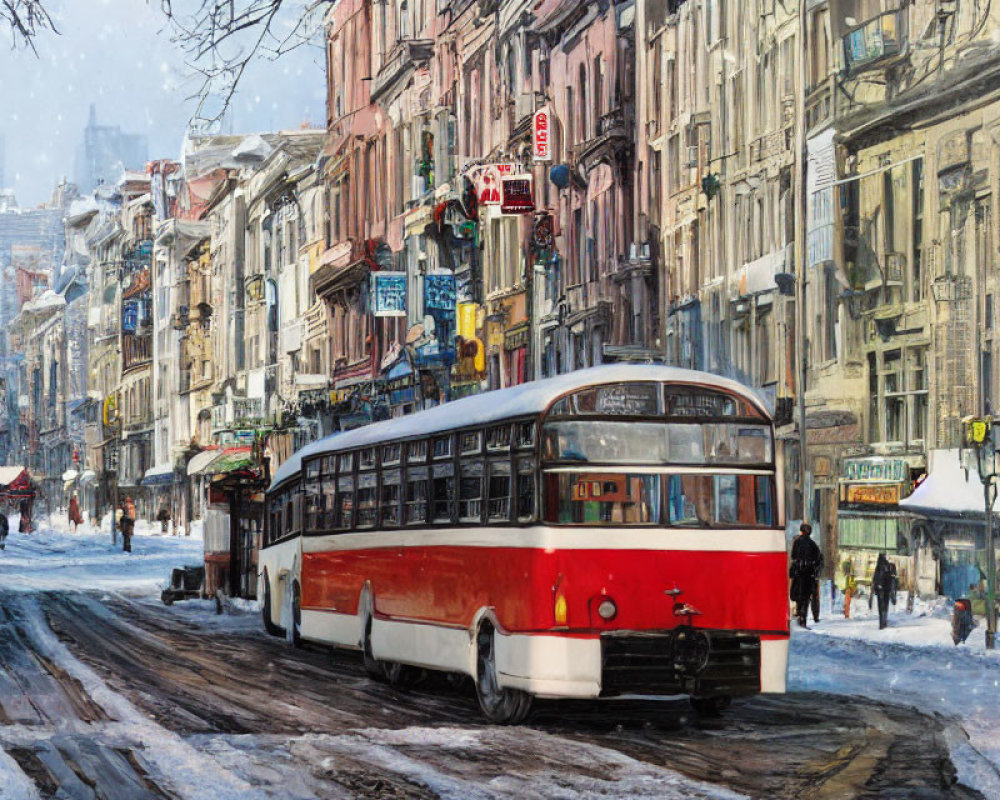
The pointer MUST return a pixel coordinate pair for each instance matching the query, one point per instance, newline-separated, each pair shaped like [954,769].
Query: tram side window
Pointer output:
[367,500]
[525,435]
[525,490]
[443,493]
[345,493]
[470,442]
[313,502]
[442,446]
[602,498]
[720,501]
[329,490]
[498,438]
[416,496]
[390,498]
[498,509]
[416,452]
[470,491]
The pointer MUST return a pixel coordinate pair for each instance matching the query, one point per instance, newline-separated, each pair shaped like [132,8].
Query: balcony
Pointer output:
[612,140]
[137,351]
[404,59]
[876,42]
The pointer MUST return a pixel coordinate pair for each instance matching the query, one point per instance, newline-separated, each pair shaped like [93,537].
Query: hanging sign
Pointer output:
[541,142]
[439,291]
[389,294]
[517,195]
[488,179]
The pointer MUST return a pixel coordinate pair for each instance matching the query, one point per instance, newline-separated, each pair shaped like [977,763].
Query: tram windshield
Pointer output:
[614,442]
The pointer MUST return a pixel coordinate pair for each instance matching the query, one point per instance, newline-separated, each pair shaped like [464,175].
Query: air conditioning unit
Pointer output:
[692,155]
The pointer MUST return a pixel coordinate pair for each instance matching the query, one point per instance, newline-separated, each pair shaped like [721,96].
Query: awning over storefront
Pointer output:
[69,476]
[88,476]
[233,459]
[947,491]
[159,475]
[202,460]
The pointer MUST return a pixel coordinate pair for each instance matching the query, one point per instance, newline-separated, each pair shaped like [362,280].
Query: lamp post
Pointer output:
[981,436]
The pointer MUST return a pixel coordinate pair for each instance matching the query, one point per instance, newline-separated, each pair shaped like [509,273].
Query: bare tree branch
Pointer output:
[221,38]
[27,19]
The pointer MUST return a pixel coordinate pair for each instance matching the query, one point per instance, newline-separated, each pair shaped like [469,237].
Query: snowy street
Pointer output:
[105,692]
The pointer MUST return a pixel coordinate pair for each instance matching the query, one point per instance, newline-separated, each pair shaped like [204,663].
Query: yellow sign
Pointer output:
[882,495]
[980,428]
[467,320]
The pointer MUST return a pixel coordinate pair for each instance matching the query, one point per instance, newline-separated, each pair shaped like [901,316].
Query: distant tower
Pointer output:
[104,150]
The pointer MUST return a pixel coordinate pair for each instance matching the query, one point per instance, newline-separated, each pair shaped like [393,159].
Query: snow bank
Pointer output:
[53,560]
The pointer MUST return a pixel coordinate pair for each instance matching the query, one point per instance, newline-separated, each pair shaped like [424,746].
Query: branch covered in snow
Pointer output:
[27,19]
[221,38]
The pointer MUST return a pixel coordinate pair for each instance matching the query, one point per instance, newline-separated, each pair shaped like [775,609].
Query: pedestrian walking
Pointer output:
[24,524]
[163,515]
[127,527]
[807,561]
[884,585]
[850,585]
[75,517]
[4,530]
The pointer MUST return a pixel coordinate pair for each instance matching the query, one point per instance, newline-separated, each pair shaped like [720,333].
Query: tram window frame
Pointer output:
[419,474]
[328,490]
[312,490]
[392,454]
[470,443]
[444,471]
[367,482]
[416,451]
[526,468]
[499,468]
[390,479]
[367,459]
[345,463]
[447,439]
[345,492]
[470,473]
[527,434]
[498,438]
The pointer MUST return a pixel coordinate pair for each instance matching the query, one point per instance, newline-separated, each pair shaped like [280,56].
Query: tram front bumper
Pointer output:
[680,661]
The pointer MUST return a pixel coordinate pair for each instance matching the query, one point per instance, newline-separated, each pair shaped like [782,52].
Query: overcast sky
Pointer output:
[117,54]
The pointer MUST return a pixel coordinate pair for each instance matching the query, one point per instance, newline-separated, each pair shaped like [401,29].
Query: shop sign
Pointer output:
[467,313]
[439,291]
[873,494]
[541,145]
[111,456]
[876,469]
[489,180]
[110,414]
[389,294]
[517,195]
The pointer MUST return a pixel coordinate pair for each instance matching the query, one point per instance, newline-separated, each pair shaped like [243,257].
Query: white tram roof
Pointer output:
[523,400]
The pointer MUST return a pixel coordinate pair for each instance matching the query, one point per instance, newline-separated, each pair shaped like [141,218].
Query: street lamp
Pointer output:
[981,436]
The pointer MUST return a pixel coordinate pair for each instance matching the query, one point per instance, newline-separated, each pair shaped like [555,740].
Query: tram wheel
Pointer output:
[265,611]
[296,615]
[711,706]
[501,706]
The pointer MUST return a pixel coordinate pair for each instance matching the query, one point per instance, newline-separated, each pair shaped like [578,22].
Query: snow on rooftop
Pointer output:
[528,398]
[947,489]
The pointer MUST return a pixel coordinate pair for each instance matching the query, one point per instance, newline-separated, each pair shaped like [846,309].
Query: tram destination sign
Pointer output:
[627,399]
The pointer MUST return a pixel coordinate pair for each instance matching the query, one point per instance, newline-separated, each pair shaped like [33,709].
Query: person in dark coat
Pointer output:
[127,526]
[884,584]
[807,561]
[4,530]
[163,516]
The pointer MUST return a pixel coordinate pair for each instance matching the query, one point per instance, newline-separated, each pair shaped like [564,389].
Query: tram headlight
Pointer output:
[560,609]
[607,609]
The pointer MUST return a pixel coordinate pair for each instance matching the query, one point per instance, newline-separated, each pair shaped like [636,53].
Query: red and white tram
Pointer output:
[611,531]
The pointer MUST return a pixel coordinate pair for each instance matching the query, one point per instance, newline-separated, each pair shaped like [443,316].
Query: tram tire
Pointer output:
[500,706]
[265,611]
[374,667]
[296,615]
[711,706]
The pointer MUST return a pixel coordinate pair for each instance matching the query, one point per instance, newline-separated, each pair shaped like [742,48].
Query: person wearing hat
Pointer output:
[806,562]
